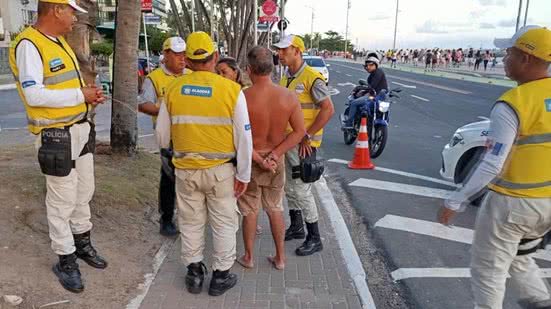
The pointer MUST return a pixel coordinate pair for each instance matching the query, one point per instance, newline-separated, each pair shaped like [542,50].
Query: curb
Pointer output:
[350,255]
[158,260]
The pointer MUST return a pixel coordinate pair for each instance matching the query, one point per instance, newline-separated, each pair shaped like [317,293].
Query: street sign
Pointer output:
[269,7]
[147,6]
[151,19]
[282,25]
[263,27]
[269,12]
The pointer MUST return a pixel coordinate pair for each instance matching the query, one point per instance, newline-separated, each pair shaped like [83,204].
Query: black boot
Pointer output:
[296,229]
[168,228]
[68,273]
[528,304]
[195,277]
[313,241]
[86,252]
[221,281]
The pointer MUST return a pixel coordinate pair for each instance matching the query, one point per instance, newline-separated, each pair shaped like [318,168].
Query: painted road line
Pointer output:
[415,81]
[346,84]
[145,135]
[428,228]
[419,98]
[333,91]
[401,188]
[404,85]
[407,273]
[338,72]
[350,255]
[8,87]
[434,229]
[401,173]
[349,75]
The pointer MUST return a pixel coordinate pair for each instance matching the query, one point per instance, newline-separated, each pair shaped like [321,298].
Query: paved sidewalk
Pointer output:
[318,281]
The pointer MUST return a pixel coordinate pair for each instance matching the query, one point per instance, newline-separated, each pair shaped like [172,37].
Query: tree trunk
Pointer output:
[188,16]
[124,126]
[79,39]
[181,30]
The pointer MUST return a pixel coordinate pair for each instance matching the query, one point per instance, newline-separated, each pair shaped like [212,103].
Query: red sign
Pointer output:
[147,5]
[268,19]
[269,7]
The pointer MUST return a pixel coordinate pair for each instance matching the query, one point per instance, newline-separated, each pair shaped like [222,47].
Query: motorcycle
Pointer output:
[377,112]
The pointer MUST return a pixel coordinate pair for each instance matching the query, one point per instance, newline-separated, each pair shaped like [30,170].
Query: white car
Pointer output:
[464,150]
[317,63]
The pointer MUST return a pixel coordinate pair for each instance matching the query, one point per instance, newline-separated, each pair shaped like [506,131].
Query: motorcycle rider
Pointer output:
[376,81]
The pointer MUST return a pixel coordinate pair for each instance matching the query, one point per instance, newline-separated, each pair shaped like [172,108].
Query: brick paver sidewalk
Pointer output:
[317,281]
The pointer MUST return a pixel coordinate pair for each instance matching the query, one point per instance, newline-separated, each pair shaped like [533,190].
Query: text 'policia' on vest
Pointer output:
[61,71]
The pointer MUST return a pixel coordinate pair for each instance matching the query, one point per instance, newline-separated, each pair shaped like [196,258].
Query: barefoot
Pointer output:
[243,262]
[279,265]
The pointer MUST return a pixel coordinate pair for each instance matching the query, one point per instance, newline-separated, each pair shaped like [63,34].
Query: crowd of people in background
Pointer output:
[439,58]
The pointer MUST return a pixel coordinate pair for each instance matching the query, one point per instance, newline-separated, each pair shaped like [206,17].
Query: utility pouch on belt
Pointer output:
[90,146]
[166,163]
[54,156]
[310,170]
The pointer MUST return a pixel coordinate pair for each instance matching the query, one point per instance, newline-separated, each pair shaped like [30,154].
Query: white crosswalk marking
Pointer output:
[406,273]
[401,188]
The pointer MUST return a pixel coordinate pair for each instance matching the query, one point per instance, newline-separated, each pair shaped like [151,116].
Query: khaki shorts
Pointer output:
[265,188]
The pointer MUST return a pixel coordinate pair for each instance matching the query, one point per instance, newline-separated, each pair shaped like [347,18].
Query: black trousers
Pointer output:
[167,193]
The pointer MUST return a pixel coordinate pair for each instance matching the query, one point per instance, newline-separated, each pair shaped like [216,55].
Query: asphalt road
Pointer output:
[428,261]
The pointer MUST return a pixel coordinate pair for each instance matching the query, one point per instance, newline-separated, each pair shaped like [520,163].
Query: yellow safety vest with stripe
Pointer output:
[302,86]
[527,171]
[201,107]
[61,71]
[160,80]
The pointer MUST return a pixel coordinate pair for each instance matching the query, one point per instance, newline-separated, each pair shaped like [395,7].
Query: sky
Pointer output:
[421,23]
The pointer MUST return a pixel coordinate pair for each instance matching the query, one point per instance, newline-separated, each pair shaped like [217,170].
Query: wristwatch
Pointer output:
[308,136]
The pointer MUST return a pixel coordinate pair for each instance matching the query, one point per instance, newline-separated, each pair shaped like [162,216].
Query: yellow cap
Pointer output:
[533,40]
[72,3]
[291,40]
[199,41]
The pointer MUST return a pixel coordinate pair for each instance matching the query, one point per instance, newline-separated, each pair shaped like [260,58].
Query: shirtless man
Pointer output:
[271,109]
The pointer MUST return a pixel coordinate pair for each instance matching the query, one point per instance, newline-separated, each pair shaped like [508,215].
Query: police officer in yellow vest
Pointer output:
[206,118]
[58,105]
[172,66]
[313,94]
[516,213]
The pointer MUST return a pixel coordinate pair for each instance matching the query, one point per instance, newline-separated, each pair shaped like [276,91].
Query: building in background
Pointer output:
[107,9]
[14,16]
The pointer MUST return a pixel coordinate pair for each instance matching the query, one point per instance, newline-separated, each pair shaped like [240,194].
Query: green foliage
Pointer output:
[330,40]
[102,49]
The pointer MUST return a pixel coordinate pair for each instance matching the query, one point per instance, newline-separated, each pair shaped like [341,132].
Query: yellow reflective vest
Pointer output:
[302,86]
[61,71]
[201,107]
[160,80]
[527,171]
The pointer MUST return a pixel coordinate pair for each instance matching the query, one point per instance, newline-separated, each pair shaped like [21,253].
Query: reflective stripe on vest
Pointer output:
[47,122]
[310,106]
[58,79]
[204,155]
[512,185]
[534,139]
[214,121]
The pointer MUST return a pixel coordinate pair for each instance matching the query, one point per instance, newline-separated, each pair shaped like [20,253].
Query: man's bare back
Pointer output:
[271,108]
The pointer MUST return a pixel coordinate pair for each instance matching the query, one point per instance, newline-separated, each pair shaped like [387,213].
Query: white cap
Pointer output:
[175,43]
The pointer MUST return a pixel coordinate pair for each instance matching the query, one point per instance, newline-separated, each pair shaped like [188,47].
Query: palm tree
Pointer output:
[124,126]
[80,38]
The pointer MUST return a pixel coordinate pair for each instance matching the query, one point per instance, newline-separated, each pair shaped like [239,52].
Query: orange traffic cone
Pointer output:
[362,158]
